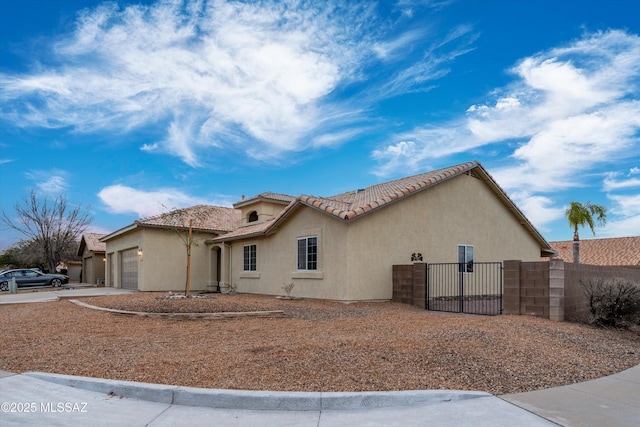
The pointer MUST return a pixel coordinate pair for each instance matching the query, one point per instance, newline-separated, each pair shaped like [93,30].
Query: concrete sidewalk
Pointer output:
[608,401]
[49,399]
[38,398]
[67,291]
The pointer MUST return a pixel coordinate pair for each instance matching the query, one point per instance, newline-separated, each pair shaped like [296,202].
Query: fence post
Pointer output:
[420,284]
[511,298]
[556,290]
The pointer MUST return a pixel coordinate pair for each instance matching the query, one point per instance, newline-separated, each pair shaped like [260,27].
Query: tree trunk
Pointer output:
[188,284]
[576,252]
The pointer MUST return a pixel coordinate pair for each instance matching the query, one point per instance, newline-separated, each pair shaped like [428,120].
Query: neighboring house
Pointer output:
[92,251]
[341,247]
[150,255]
[622,251]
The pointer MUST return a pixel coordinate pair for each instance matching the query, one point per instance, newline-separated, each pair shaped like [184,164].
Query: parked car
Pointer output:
[28,277]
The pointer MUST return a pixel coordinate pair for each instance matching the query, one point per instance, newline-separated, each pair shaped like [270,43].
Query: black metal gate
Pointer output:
[465,288]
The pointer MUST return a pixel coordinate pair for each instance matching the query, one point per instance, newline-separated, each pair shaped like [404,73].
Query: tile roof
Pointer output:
[205,217]
[92,242]
[609,251]
[247,231]
[274,197]
[354,204]
[351,204]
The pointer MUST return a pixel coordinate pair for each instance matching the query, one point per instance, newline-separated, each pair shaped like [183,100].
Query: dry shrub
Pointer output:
[613,302]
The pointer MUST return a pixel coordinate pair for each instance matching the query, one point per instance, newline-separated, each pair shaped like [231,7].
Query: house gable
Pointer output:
[262,208]
[91,242]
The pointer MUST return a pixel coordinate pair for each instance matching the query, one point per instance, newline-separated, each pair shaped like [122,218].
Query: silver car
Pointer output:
[28,277]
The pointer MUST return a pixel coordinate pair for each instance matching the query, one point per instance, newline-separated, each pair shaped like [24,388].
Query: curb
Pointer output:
[259,400]
[178,315]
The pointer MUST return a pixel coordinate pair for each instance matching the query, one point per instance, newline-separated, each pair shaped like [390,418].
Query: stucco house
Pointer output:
[92,251]
[340,247]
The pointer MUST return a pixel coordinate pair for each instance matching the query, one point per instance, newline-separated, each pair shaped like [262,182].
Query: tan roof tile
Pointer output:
[609,251]
[205,217]
[91,241]
[269,196]
[353,203]
[247,231]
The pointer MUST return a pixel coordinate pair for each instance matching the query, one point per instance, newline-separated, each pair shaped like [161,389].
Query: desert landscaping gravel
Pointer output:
[317,346]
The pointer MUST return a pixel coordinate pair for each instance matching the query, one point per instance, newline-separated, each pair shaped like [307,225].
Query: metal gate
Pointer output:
[465,288]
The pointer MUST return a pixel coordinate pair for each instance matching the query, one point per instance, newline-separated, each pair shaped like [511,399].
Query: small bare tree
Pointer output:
[288,287]
[50,224]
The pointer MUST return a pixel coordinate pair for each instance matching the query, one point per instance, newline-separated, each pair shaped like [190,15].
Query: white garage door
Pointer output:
[129,269]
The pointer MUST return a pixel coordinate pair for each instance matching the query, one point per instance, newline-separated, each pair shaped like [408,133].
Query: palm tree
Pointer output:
[580,215]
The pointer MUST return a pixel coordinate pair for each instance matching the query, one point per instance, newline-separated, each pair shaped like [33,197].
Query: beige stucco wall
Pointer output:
[356,258]
[163,264]
[93,267]
[277,254]
[462,210]
[266,211]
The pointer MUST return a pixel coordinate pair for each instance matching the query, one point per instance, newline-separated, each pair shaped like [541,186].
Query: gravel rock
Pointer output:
[319,346]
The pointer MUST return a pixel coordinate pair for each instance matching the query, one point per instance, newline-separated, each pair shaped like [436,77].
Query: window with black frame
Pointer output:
[250,258]
[308,253]
[465,259]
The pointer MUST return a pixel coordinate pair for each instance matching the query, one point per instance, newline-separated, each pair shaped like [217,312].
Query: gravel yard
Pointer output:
[318,346]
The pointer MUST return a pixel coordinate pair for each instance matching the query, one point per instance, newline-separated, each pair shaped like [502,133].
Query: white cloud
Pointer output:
[569,108]
[432,65]
[50,183]
[612,183]
[261,68]
[569,112]
[122,199]
[538,209]
[391,48]
[257,75]
[625,216]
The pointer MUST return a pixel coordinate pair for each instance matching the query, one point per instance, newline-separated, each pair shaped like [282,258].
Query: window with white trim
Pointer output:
[308,253]
[250,258]
[465,259]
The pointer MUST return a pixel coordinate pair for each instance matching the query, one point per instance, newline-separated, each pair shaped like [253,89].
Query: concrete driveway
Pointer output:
[67,291]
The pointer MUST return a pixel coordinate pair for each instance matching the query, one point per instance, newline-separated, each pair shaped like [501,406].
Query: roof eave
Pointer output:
[223,239]
[119,232]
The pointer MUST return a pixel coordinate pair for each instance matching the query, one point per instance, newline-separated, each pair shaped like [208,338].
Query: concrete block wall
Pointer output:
[410,284]
[576,305]
[403,284]
[526,288]
[420,285]
[552,289]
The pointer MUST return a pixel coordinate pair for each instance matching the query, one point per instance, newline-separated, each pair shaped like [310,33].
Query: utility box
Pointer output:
[13,286]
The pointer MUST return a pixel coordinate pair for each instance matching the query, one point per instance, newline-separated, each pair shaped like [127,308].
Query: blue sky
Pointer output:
[131,108]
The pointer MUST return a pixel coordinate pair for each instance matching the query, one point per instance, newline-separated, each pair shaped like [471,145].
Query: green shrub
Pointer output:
[613,302]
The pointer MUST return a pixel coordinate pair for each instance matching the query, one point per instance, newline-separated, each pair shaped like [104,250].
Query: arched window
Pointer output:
[253,216]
